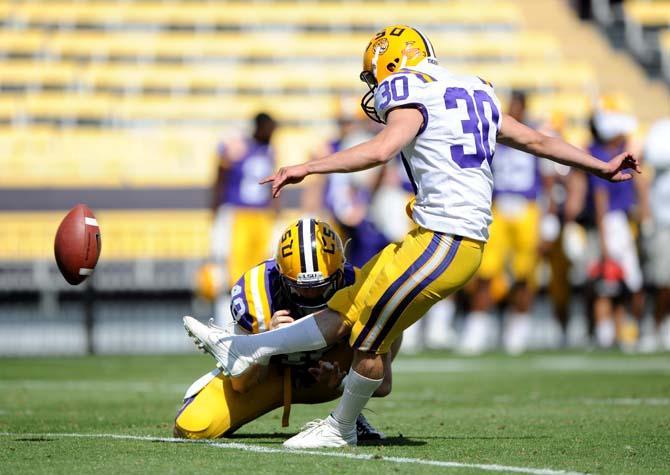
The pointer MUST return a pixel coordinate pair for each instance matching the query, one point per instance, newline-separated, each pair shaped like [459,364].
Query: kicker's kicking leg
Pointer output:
[235,354]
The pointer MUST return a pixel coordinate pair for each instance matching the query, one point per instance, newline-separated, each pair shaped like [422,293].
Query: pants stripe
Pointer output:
[402,306]
[393,288]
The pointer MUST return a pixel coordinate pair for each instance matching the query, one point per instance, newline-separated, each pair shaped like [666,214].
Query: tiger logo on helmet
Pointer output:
[393,48]
[310,258]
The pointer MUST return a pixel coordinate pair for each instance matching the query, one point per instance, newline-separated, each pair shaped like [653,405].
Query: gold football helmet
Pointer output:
[310,258]
[393,48]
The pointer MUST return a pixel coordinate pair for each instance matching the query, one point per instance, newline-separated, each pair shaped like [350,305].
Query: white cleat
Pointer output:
[321,434]
[220,344]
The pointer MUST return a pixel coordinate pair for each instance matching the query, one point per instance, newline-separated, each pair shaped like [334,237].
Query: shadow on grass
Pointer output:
[398,441]
[34,439]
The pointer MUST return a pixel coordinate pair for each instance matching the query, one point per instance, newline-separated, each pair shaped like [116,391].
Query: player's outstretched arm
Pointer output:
[521,137]
[402,126]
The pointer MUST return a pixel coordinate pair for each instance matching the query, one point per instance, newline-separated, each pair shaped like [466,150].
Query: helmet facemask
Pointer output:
[311,296]
[368,101]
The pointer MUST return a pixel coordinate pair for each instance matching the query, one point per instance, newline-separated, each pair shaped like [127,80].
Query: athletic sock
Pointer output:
[606,333]
[301,335]
[357,392]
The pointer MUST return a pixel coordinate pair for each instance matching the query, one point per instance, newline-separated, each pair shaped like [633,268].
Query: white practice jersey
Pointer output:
[449,161]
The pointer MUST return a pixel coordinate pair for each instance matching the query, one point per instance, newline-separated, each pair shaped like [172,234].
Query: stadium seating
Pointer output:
[649,13]
[240,15]
[137,93]
[644,23]
[217,45]
[128,235]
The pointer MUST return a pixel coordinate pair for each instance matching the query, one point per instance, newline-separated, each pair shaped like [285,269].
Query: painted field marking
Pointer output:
[316,453]
[565,363]
[630,401]
[91,384]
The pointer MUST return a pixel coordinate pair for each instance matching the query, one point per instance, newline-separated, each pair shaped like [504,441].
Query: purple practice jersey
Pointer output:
[516,173]
[340,194]
[241,186]
[258,294]
[622,194]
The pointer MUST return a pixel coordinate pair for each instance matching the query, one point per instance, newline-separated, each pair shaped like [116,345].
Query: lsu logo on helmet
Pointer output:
[393,48]
[310,258]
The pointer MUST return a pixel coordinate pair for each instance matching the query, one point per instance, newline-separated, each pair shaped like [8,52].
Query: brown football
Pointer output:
[77,245]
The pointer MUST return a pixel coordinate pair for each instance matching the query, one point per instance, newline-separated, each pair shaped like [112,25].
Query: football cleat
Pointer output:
[365,430]
[321,433]
[220,344]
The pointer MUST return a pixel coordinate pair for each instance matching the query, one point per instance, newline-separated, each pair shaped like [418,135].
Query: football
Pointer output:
[77,244]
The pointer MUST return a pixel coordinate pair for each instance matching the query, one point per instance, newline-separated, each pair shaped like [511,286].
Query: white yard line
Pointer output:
[316,453]
[91,384]
[629,401]
[562,363]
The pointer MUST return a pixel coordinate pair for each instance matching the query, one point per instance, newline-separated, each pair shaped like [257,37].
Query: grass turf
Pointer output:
[596,413]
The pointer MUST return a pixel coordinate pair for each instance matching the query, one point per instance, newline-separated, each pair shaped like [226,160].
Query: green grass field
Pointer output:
[595,413]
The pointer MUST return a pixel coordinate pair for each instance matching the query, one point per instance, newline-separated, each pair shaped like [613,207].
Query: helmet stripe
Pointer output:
[312,233]
[306,245]
[301,247]
[426,43]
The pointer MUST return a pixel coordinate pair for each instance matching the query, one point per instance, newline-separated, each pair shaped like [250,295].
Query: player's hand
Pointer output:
[285,176]
[328,373]
[621,167]
[280,319]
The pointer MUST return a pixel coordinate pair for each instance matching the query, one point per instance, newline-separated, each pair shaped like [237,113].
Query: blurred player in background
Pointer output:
[555,202]
[617,275]
[656,232]
[244,211]
[514,244]
[346,198]
[446,126]
[308,268]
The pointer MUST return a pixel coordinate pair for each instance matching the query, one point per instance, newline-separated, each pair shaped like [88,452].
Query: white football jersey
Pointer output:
[449,161]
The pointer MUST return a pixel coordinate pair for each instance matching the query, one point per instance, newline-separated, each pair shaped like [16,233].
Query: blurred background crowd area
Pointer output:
[162,116]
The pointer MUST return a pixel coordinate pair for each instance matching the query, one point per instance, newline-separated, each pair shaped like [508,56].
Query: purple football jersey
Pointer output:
[516,172]
[365,240]
[241,187]
[621,195]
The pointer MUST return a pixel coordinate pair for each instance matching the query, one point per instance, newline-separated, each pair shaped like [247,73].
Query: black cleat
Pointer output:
[365,431]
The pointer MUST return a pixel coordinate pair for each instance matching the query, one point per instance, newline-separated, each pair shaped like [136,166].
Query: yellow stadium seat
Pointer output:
[127,235]
[22,42]
[541,76]
[10,107]
[281,45]
[319,76]
[86,43]
[43,73]
[68,105]
[574,107]
[280,13]
[649,13]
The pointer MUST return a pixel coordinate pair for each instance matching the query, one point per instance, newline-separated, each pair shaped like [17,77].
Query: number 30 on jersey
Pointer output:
[477,125]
